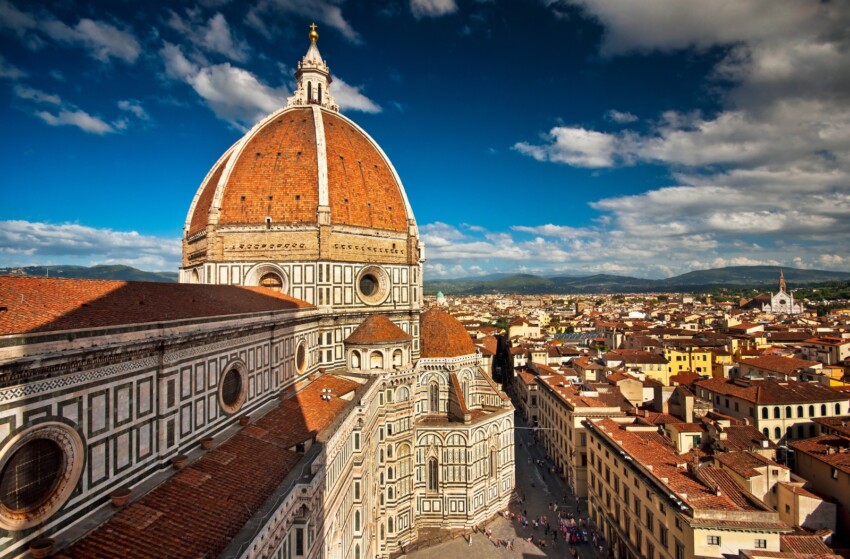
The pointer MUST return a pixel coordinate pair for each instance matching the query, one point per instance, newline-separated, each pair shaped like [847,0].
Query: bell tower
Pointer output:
[314,79]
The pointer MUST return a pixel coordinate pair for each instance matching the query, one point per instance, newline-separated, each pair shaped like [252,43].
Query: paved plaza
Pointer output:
[541,489]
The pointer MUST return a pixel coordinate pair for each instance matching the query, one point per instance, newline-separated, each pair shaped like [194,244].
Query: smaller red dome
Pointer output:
[442,335]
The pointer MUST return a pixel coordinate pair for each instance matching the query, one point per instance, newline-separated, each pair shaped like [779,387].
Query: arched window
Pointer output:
[776,414]
[382,531]
[390,526]
[493,462]
[376,360]
[823,409]
[465,390]
[811,430]
[766,432]
[397,358]
[811,411]
[309,92]
[389,473]
[271,281]
[357,551]
[777,433]
[764,413]
[435,398]
[389,451]
[801,434]
[432,474]
[787,412]
[320,93]
[390,494]
[381,458]
[799,411]
[357,521]
[355,359]
[837,409]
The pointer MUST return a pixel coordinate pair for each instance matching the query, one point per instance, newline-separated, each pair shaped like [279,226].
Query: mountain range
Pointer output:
[697,280]
[766,277]
[104,272]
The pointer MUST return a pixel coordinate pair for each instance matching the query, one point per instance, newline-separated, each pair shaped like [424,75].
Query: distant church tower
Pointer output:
[782,302]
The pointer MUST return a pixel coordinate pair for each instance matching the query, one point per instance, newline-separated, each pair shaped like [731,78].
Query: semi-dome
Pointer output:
[442,335]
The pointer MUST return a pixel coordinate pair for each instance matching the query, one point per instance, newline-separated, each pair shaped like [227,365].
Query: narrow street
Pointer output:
[539,489]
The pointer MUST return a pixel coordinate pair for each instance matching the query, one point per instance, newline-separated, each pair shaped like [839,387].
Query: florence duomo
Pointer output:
[406,279]
[289,398]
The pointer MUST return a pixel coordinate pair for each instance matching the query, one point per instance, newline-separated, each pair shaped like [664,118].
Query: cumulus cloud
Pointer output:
[620,117]
[134,107]
[432,8]
[77,118]
[234,94]
[266,16]
[768,168]
[213,36]
[350,97]
[573,146]
[9,71]
[26,243]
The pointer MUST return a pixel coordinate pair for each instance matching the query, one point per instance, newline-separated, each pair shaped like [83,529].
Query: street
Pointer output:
[540,490]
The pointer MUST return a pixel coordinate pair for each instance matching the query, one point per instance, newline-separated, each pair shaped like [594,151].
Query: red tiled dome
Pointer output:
[442,335]
[274,172]
[377,329]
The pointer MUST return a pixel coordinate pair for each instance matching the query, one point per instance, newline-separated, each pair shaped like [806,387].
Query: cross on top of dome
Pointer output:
[314,78]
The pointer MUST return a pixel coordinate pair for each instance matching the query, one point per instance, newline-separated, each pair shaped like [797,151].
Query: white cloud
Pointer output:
[573,146]
[621,117]
[350,97]
[9,71]
[78,118]
[26,243]
[134,107]
[35,95]
[671,24]
[266,14]
[213,36]
[432,8]
[102,40]
[233,94]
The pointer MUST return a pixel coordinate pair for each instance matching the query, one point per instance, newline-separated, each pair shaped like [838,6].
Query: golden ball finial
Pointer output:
[313,34]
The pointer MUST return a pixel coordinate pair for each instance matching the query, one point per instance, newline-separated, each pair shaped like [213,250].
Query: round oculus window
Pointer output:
[368,284]
[373,285]
[31,475]
[231,390]
[272,281]
[301,358]
[39,470]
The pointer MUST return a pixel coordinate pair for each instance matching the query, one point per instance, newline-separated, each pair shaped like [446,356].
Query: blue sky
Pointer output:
[644,138]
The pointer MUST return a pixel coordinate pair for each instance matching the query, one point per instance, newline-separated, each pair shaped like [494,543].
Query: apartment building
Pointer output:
[654,503]
[562,412]
[782,411]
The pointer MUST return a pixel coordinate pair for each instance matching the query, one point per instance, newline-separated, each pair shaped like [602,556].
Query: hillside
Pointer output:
[757,277]
[113,272]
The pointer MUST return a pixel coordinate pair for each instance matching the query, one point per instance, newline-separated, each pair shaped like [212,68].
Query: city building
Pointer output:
[289,398]
[782,411]
[653,502]
[782,302]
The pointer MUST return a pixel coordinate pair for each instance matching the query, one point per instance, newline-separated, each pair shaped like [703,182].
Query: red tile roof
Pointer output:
[779,364]
[31,304]
[377,329]
[830,449]
[441,335]
[199,510]
[773,392]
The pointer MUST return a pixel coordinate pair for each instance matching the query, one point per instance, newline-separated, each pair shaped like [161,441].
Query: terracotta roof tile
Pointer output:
[377,329]
[441,335]
[773,392]
[199,510]
[34,304]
